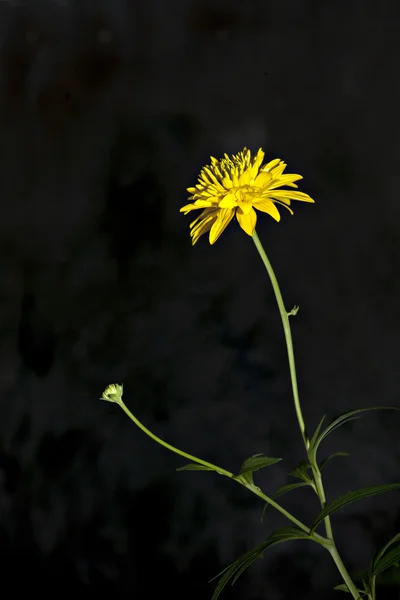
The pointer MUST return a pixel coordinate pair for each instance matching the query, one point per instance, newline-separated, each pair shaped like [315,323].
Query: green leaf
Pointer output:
[316,432]
[391,559]
[288,488]
[195,467]
[341,420]
[352,496]
[342,587]
[393,540]
[301,472]
[254,463]
[391,578]
[283,490]
[385,560]
[233,571]
[323,462]
[257,462]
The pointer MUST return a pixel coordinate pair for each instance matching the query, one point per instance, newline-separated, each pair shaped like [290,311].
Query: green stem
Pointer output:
[254,489]
[373,588]
[292,367]
[288,337]
[344,573]
[172,448]
[321,495]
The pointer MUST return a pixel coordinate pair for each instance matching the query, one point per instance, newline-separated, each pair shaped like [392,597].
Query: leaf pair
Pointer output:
[350,497]
[301,472]
[245,475]
[341,420]
[252,464]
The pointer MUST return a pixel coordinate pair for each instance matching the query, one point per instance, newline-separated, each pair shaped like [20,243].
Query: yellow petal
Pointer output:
[284,203]
[227,182]
[284,180]
[268,207]
[225,216]
[246,177]
[291,195]
[264,178]
[228,201]
[245,207]
[271,164]
[278,170]
[198,204]
[258,159]
[247,222]
[202,227]
[211,175]
[204,213]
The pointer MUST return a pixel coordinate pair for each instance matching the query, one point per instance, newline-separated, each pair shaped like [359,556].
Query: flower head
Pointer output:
[236,186]
[113,393]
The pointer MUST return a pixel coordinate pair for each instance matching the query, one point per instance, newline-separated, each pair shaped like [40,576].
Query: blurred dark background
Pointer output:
[107,111]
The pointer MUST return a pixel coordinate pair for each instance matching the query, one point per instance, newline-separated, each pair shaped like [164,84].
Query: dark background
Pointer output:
[108,109]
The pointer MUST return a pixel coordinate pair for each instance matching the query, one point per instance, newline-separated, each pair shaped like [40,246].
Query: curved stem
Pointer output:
[172,448]
[288,337]
[253,488]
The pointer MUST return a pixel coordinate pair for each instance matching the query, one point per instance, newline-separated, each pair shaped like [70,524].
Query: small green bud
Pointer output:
[113,393]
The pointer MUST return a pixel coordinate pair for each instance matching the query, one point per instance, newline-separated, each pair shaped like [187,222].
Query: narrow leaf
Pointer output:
[316,432]
[289,487]
[341,420]
[257,462]
[323,462]
[195,467]
[254,463]
[390,559]
[233,571]
[393,540]
[301,472]
[283,490]
[342,587]
[350,497]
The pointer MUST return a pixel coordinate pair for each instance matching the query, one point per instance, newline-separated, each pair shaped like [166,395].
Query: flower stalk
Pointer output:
[299,413]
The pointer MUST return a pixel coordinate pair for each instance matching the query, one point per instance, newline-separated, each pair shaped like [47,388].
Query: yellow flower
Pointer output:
[236,186]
